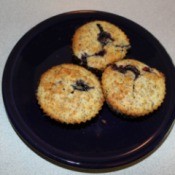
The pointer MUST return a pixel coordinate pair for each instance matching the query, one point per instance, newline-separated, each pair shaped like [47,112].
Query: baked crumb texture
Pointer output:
[99,43]
[133,88]
[70,94]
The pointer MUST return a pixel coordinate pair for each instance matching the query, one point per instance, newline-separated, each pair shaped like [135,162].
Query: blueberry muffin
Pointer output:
[99,43]
[133,88]
[70,94]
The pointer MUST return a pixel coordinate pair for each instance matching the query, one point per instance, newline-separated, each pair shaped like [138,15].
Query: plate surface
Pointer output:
[96,144]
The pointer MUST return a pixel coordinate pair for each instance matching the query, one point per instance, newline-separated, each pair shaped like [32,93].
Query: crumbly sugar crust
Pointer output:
[99,43]
[70,94]
[133,88]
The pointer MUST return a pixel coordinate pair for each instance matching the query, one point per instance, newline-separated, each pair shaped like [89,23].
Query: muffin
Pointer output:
[70,94]
[133,88]
[99,43]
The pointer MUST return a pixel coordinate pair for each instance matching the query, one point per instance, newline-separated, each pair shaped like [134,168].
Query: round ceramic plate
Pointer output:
[107,141]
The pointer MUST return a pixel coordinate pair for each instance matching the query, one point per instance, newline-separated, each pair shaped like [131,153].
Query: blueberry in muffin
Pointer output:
[133,88]
[70,94]
[99,43]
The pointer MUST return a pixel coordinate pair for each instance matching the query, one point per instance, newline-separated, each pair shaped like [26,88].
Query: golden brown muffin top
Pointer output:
[70,94]
[133,88]
[99,43]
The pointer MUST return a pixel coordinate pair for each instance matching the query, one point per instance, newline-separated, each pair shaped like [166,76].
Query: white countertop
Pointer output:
[17,17]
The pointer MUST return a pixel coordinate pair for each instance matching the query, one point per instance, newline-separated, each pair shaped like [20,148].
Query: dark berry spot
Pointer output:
[84,57]
[118,68]
[147,69]
[133,69]
[104,37]
[100,53]
[124,69]
[80,85]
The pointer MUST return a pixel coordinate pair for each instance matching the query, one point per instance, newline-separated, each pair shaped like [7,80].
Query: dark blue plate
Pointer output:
[108,140]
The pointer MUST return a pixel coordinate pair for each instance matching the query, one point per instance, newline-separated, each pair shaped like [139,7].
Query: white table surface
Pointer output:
[18,16]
